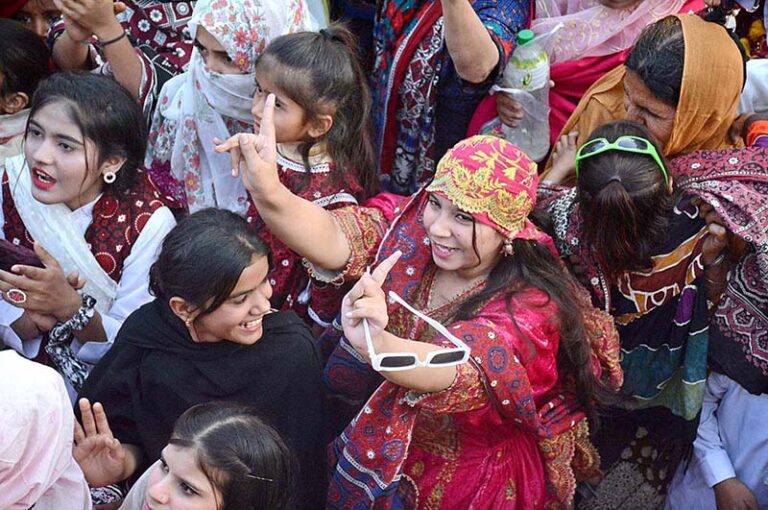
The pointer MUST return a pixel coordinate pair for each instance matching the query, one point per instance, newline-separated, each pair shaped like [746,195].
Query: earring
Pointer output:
[188,321]
[507,248]
[109,177]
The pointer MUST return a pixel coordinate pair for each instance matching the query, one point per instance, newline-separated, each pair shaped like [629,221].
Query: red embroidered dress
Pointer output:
[291,286]
[507,433]
[117,223]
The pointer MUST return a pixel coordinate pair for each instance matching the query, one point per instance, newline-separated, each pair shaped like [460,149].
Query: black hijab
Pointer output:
[155,371]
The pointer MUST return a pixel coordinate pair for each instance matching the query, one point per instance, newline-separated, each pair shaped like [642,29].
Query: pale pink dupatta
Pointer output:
[592,30]
[36,430]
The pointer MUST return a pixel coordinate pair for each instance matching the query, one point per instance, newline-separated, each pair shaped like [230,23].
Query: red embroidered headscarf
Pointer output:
[494,181]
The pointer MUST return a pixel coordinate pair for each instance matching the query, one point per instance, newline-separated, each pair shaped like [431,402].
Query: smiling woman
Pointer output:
[210,335]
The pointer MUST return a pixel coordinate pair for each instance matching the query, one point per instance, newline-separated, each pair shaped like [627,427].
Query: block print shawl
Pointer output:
[735,183]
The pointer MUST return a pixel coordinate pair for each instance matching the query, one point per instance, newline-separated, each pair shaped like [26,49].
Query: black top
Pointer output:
[155,371]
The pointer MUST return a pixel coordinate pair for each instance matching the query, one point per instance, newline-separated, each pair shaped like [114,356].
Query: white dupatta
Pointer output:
[49,226]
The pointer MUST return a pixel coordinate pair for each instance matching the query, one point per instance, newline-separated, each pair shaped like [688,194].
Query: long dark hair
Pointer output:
[23,59]
[321,72]
[533,266]
[243,457]
[202,259]
[625,202]
[105,113]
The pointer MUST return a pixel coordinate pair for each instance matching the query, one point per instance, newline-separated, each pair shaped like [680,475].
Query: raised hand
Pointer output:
[367,301]
[90,17]
[254,156]
[49,291]
[563,158]
[101,457]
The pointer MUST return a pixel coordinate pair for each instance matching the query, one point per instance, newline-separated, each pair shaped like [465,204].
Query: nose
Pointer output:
[159,491]
[258,106]
[439,227]
[261,304]
[40,27]
[42,153]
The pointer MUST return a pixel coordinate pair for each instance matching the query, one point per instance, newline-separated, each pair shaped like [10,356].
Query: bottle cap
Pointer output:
[524,37]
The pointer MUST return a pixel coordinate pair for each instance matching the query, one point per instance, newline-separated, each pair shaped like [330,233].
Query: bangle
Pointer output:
[111,41]
[719,260]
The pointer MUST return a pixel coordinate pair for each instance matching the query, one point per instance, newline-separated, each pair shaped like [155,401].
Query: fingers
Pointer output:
[102,424]
[13,281]
[380,273]
[76,281]
[31,272]
[45,257]
[119,7]
[79,434]
[572,137]
[86,416]
[268,122]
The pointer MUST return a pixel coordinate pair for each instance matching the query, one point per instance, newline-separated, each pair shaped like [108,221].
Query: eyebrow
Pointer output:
[247,291]
[201,46]
[190,485]
[57,135]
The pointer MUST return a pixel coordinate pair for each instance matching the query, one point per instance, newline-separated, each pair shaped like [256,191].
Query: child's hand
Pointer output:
[254,156]
[366,300]
[564,158]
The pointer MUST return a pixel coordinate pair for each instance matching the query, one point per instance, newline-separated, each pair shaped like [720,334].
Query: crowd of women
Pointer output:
[239,271]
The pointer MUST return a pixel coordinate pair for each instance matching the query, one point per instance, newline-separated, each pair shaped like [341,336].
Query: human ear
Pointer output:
[182,309]
[14,102]
[112,164]
[320,126]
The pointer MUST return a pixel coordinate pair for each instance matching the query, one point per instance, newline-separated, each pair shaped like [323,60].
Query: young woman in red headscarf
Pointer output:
[498,418]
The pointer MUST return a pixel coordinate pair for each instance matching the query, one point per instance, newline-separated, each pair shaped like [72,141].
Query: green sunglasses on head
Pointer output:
[626,143]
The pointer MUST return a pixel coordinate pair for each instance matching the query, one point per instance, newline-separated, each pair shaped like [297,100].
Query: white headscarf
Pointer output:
[200,105]
[36,430]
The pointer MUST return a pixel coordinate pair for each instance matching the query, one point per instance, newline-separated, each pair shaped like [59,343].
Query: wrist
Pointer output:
[109,31]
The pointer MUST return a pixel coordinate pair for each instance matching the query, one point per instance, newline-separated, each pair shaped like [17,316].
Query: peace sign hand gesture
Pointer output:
[101,457]
[367,301]
[254,156]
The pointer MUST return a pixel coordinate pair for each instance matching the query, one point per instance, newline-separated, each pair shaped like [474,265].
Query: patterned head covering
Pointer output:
[243,27]
[199,105]
[494,181]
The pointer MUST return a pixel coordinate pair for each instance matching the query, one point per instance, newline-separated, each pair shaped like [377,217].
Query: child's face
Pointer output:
[290,123]
[56,155]
[214,55]
[177,483]
[38,15]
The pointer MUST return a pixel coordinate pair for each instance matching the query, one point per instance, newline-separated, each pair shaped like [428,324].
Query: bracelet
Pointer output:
[719,260]
[82,317]
[112,41]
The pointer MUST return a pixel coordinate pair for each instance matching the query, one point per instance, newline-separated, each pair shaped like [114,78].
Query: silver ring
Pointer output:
[16,297]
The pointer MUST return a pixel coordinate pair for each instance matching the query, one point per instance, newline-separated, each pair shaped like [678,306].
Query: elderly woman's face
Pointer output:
[643,107]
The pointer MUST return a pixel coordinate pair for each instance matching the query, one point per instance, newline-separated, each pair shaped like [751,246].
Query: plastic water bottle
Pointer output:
[527,75]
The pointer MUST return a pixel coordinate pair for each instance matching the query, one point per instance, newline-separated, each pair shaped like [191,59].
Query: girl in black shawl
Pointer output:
[210,335]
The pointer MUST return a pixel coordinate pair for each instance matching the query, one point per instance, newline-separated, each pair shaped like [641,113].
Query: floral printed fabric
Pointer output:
[201,105]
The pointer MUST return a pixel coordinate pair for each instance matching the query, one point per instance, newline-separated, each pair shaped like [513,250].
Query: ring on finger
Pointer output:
[16,297]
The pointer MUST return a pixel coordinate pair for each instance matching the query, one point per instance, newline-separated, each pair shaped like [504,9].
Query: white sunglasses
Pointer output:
[394,361]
